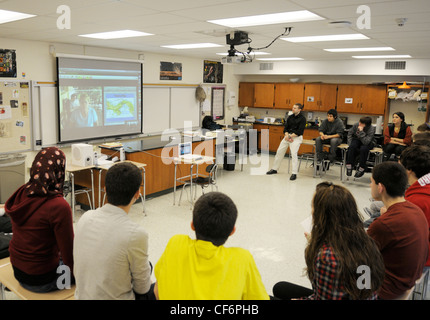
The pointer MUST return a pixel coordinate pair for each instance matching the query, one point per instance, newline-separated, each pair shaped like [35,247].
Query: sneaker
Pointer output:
[359,173]
[271,171]
[293,177]
[349,170]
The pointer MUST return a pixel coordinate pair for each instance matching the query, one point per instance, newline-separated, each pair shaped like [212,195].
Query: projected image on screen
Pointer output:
[120,106]
[98,99]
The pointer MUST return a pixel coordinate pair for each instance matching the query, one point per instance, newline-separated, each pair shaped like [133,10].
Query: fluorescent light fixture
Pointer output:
[393,56]
[116,34]
[333,37]
[280,59]
[193,46]
[257,53]
[360,49]
[9,16]
[273,18]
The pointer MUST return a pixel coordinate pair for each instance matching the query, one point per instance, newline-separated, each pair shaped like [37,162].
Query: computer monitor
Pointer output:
[184,148]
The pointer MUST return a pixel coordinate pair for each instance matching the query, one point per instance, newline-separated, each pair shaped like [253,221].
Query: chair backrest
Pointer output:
[211,169]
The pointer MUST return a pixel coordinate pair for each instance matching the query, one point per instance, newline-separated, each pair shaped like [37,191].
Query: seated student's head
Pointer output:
[47,173]
[366,121]
[331,115]
[417,159]
[391,176]
[425,135]
[214,218]
[424,127]
[122,183]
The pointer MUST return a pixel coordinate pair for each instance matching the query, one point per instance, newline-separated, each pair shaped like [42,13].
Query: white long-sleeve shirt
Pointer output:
[111,256]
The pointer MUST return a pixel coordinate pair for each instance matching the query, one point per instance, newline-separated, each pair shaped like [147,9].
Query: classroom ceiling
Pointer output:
[175,22]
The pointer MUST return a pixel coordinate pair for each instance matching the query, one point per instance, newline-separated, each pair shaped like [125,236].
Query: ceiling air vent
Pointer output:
[266,66]
[395,65]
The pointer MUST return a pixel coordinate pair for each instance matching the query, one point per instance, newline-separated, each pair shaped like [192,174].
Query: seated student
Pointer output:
[361,139]
[397,136]
[416,160]
[401,233]
[204,269]
[110,250]
[331,132]
[42,224]
[425,127]
[337,246]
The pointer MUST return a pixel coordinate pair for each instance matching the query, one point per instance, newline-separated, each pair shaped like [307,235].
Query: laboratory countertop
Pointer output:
[153,143]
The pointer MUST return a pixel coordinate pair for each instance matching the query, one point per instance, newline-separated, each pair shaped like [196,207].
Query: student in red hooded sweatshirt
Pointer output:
[416,160]
[42,224]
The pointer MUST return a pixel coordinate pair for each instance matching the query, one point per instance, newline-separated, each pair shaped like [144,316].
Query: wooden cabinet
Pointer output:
[320,96]
[362,99]
[246,94]
[288,94]
[276,134]
[264,95]
[263,136]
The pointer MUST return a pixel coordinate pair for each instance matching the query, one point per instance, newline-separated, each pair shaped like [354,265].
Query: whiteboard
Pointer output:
[184,108]
[156,109]
[170,107]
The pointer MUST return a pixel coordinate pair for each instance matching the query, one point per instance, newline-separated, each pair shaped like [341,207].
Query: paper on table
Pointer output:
[307,224]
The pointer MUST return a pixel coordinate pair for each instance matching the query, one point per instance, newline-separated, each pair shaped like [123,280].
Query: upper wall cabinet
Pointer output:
[264,95]
[288,94]
[246,94]
[320,96]
[362,99]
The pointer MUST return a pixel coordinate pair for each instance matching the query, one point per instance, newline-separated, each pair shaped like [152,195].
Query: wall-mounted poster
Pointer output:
[7,63]
[212,71]
[170,70]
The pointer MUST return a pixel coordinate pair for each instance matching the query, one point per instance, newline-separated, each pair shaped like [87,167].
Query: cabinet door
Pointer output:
[264,95]
[348,98]
[263,132]
[308,134]
[246,94]
[276,134]
[312,97]
[328,96]
[373,100]
[288,94]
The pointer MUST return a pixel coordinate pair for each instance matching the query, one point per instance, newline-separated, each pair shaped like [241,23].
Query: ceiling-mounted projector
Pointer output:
[232,60]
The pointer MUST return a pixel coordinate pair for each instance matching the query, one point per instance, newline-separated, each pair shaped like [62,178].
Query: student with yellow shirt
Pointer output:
[204,269]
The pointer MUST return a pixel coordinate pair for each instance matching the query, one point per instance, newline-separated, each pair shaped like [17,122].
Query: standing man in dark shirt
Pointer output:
[293,130]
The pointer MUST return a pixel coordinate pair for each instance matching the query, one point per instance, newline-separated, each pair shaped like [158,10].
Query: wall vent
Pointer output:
[266,66]
[395,65]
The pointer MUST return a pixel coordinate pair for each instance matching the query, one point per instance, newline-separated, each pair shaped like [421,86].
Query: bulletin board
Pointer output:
[15,116]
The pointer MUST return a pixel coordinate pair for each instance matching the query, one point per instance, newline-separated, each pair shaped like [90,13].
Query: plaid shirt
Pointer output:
[326,283]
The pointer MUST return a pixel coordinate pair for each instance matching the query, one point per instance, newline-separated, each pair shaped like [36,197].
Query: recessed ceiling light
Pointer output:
[193,46]
[116,34]
[273,18]
[280,59]
[333,37]
[257,53]
[9,16]
[398,56]
[360,49]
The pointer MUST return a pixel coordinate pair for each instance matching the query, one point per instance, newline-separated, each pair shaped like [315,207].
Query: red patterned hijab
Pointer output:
[47,173]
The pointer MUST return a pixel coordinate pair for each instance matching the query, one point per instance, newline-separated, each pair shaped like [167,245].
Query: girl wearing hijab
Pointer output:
[42,224]
[397,136]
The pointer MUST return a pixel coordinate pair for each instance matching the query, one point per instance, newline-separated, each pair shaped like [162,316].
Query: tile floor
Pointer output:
[271,209]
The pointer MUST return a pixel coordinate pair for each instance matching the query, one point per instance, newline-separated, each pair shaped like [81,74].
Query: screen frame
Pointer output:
[104,137]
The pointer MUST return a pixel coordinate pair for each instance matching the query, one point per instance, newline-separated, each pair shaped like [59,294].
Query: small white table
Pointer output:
[193,163]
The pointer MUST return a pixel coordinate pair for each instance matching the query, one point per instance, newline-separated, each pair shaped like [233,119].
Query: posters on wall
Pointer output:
[170,70]
[212,71]
[7,63]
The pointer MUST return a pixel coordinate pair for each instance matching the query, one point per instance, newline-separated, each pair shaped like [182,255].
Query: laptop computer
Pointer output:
[185,152]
